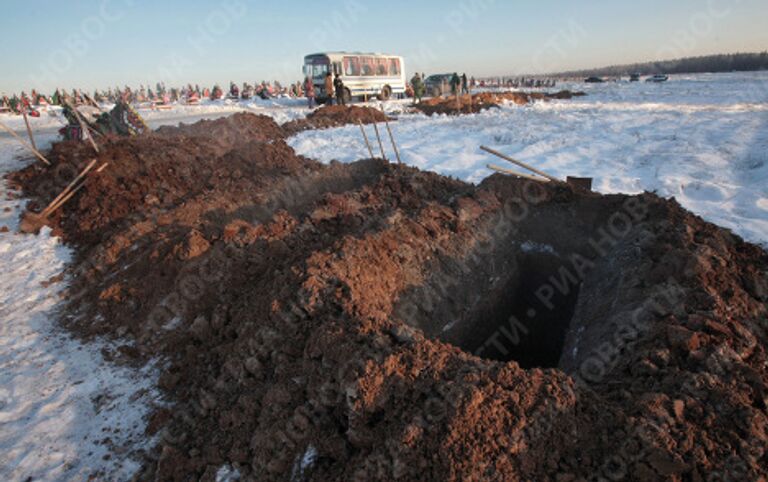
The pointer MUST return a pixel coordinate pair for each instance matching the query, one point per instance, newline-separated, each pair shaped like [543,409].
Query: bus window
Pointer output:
[394,67]
[321,70]
[381,67]
[368,66]
[352,66]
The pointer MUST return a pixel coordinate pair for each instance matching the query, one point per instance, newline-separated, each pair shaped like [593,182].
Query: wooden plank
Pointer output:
[365,136]
[392,138]
[381,146]
[24,143]
[504,170]
[65,199]
[66,190]
[29,129]
[519,163]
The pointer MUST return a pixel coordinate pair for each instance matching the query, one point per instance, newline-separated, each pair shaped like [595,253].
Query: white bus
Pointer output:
[363,74]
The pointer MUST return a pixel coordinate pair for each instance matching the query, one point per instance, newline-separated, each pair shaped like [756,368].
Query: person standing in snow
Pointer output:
[309,89]
[329,89]
[464,85]
[418,88]
[455,83]
[339,86]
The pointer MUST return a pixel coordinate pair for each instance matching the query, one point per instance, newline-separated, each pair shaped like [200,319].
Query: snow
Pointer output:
[281,109]
[531,247]
[59,399]
[702,139]
[227,474]
[302,464]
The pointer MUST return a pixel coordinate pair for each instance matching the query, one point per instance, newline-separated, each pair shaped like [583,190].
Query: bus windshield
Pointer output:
[317,67]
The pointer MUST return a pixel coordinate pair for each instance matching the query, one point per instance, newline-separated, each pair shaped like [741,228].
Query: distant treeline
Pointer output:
[738,62]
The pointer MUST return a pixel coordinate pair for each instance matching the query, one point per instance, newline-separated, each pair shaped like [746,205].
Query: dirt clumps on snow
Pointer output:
[370,321]
[335,116]
[475,103]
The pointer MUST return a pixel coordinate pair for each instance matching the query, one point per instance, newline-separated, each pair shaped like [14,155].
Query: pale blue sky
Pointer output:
[102,43]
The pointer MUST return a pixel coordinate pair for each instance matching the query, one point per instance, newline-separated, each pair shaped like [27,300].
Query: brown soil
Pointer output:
[382,323]
[335,116]
[486,100]
[227,131]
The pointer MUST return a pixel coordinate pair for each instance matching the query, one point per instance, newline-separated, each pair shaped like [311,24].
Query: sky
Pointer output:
[104,43]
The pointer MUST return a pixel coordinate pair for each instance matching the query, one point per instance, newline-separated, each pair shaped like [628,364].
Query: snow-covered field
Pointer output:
[281,109]
[700,138]
[65,413]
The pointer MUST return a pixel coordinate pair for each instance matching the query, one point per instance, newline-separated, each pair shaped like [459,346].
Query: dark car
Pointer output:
[438,84]
[594,80]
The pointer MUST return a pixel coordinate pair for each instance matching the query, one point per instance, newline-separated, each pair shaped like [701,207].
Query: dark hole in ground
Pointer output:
[521,325]
[493,309]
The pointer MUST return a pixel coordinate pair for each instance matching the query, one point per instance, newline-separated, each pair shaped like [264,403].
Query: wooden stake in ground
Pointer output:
[29,129]
[365,136]
[64,200]
[515,173]
[378,137]
[84,127]
[519,163]
[24,143]
[392,138]
[51,207]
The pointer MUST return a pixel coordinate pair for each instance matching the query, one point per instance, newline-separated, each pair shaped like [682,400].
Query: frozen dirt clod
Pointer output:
[374,322]
[472,104]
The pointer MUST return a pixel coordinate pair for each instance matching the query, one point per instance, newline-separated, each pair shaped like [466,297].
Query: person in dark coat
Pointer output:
[455,83]
[339,86]
[464,86]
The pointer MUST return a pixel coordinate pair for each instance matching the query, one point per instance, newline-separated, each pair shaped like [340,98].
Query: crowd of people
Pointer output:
[333,90]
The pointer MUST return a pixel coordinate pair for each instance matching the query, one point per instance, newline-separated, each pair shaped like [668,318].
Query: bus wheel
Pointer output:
[386,93]
[347,96]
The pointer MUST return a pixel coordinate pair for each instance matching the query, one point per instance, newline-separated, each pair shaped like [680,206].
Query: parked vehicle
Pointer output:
[594,80]
[363,74]
[438,84]
[658,78]
[634,77]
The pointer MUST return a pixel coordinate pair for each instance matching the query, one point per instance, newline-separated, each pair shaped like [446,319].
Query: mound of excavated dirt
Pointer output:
[335,116]
[227,131]
[467,104]
[373,322]
[160,172]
